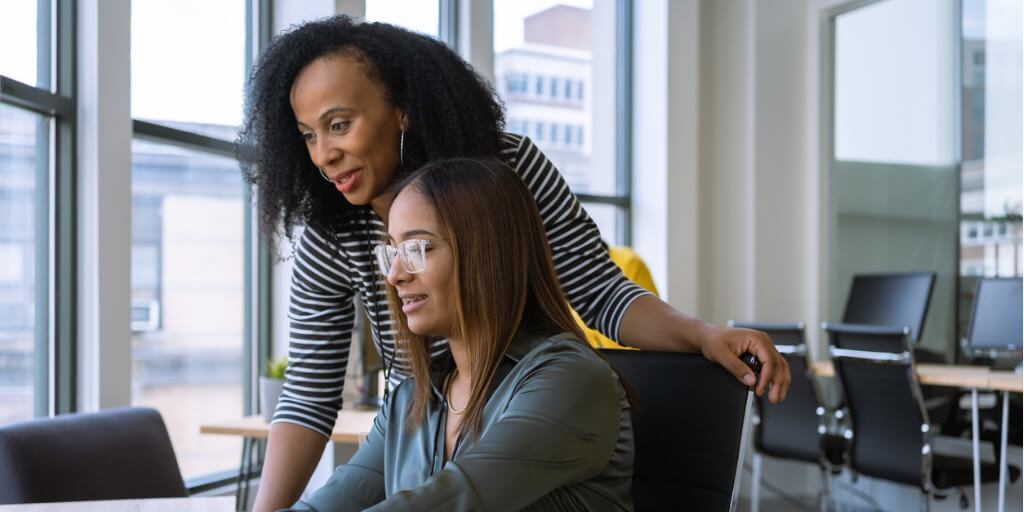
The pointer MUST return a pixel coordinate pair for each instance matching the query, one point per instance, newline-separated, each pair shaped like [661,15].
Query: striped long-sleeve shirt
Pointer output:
[328,273]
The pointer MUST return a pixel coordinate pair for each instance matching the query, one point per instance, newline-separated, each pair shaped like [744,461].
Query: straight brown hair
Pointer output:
[503,270]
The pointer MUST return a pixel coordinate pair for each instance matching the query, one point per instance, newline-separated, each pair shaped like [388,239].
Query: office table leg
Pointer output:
[242,491]
[975,449]
[1002,453]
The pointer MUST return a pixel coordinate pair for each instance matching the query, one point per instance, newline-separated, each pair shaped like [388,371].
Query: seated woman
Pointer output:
[521,413]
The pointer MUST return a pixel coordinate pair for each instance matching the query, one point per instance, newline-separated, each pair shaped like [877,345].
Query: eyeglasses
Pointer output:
[412,252]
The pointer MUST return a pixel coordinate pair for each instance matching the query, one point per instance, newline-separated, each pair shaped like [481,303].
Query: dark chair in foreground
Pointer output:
[689,425]
[892,435]
[796,428]
[114,454]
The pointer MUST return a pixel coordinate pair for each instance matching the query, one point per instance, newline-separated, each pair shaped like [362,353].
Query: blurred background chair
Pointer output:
[892,437]
[689,424]
[798,427]
[114,454]
[897,300]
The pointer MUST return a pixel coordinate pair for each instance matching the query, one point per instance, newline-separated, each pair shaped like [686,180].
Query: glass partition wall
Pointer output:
[925,164]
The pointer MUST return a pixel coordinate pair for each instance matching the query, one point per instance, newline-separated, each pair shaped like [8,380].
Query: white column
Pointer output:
[104,203]
[354,8]
[476,35]
[665,159]
[726,141]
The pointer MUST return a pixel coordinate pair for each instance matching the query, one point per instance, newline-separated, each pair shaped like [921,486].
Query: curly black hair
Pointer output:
[452,112]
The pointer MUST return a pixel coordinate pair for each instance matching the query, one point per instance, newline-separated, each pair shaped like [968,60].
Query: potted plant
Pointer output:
[271,385]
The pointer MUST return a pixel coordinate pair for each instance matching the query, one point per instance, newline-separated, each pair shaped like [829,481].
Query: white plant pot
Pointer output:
[270,391]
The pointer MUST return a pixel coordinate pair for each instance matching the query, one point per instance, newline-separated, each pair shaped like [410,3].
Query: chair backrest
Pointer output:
[890,424]
[689,426]
[114,454]
[790,429]
[897,299]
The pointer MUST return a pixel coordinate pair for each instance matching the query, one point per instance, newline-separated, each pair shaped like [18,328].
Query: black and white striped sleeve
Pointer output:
[593,284]
[321,316]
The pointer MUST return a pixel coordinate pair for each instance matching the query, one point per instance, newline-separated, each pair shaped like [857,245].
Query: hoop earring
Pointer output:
[323,174]
[401,150]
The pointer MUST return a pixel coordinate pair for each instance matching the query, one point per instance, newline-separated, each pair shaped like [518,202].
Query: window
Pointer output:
[188,236]
[188,297]
[421,16]
[991,183]
[567,42]
[19,28]
[516,83]
[896,128]
[893,129]
[36,108]
[24,161]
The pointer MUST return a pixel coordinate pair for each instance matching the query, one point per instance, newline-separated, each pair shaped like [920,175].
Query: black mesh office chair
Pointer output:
[689,425]
[892,436]
[796,428]
[115,454]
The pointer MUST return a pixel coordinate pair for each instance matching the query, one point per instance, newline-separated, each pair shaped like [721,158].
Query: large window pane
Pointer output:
[554,65]
[23,161]
[187,67]
[419,15]
[188,297]
[893,174]
[894,83]
[19,29]
[991,172]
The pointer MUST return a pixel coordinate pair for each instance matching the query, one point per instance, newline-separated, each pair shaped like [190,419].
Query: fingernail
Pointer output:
[749,379]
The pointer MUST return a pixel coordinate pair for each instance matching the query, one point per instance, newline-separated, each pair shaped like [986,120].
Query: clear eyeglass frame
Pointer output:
[412,252]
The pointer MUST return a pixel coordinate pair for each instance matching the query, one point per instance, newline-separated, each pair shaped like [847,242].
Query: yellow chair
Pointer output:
[635,270]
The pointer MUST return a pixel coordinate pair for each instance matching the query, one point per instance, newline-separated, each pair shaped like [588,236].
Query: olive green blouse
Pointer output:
[556,434]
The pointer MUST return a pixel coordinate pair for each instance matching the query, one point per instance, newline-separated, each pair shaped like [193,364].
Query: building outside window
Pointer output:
[565,45]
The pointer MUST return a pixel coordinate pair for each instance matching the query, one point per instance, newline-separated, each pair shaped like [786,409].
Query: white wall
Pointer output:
[725,170]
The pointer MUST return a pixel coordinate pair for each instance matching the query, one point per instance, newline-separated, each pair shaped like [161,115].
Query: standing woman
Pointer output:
[336,112]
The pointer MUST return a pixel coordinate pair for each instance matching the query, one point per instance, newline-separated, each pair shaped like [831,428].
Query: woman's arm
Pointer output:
[292,455]
[321,315]
[619,309]
[651,324]
[543,440]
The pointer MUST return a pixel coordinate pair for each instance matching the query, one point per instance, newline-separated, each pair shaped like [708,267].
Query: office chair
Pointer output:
[114,454]
[891,433]
[796,428]
[689,427]
[901,299]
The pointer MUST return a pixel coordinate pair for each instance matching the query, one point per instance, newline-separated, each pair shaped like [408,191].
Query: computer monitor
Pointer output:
[996,318]
[892,300]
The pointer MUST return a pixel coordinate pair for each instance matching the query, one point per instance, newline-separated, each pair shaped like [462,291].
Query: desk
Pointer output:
[974,378]
[351,427]
[216,504]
